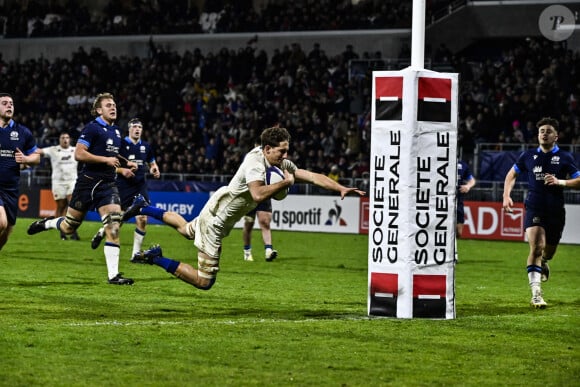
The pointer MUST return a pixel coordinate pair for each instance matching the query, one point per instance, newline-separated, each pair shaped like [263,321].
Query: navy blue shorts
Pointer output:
[9,200]
[266,206]
[552,222]
[128,195]
[460,213]
[91,194]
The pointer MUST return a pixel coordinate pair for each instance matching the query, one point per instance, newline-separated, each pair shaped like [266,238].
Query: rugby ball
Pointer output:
[273,176]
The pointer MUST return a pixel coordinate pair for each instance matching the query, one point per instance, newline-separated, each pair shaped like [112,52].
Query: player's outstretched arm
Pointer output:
[510,180]
[326,182]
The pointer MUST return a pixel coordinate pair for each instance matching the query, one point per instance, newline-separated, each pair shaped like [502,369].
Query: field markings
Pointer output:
[275,320]
[222,322]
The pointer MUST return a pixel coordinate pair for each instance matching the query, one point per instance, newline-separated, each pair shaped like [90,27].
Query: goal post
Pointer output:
[411,255]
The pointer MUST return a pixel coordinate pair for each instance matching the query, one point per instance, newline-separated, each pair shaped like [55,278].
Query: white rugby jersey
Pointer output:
[232,202]
[63,163]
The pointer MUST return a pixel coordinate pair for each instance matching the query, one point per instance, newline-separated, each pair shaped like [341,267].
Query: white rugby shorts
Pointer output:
[60,191]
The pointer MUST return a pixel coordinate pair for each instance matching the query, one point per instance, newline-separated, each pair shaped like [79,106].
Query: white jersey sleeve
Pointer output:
[63,163]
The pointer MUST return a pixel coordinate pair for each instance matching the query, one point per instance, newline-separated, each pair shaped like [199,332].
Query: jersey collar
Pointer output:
[555,149]
[103,123]
[129,141]
[11,124]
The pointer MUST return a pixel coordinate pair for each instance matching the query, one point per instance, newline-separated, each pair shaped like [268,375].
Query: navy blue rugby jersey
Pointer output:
[13,136]
[141,154]
[536,164]
[101,140]
[463,176]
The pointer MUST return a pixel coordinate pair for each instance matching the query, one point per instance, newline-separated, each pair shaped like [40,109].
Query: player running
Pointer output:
[546,168]
[132,183]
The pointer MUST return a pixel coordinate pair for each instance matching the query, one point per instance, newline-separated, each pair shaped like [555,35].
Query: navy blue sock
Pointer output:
[267,246]
[247,247]
[531,268]
[153,212]
[167,263]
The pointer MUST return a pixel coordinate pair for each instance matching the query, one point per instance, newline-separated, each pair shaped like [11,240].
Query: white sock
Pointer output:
[52,223]
[137,242]
[534,279]
[112,258]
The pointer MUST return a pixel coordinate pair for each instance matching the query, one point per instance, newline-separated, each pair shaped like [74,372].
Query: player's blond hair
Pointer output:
[97,102]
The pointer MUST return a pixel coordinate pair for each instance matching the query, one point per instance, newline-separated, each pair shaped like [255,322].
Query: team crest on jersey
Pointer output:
[536,220]
[14,135]
[109,141]
[117,132]
[142,148]
[555,160]
[535,157]
[538,169]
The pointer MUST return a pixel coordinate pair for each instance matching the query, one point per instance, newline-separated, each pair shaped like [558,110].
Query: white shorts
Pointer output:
[61,191]
[216,220]
[207,234]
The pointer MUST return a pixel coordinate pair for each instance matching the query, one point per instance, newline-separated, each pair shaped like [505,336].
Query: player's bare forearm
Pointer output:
[326,182]
[553,180]
[83,155]
[510,180]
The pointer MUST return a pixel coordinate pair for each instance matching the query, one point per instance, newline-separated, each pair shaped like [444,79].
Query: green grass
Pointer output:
[300,320]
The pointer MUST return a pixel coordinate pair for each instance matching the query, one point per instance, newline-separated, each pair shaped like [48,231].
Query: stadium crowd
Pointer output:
[68,18]
[204,110]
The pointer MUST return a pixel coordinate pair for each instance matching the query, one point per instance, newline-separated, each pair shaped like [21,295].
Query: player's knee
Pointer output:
[207,269]
[112,221]
[206,284]
[71,224]
[3,223]
[187,230]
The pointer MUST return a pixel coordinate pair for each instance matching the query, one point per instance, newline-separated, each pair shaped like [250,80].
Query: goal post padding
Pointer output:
[411,255]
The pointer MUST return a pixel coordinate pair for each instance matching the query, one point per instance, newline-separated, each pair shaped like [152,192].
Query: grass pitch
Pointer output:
[300,320]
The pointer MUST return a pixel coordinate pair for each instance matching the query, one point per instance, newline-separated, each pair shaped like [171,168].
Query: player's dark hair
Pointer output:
[5,95]
[97,102]
[548,121]
[274,136]
[134,121]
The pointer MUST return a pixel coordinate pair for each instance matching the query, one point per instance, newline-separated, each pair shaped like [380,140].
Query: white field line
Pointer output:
[222,322]
[275,321]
